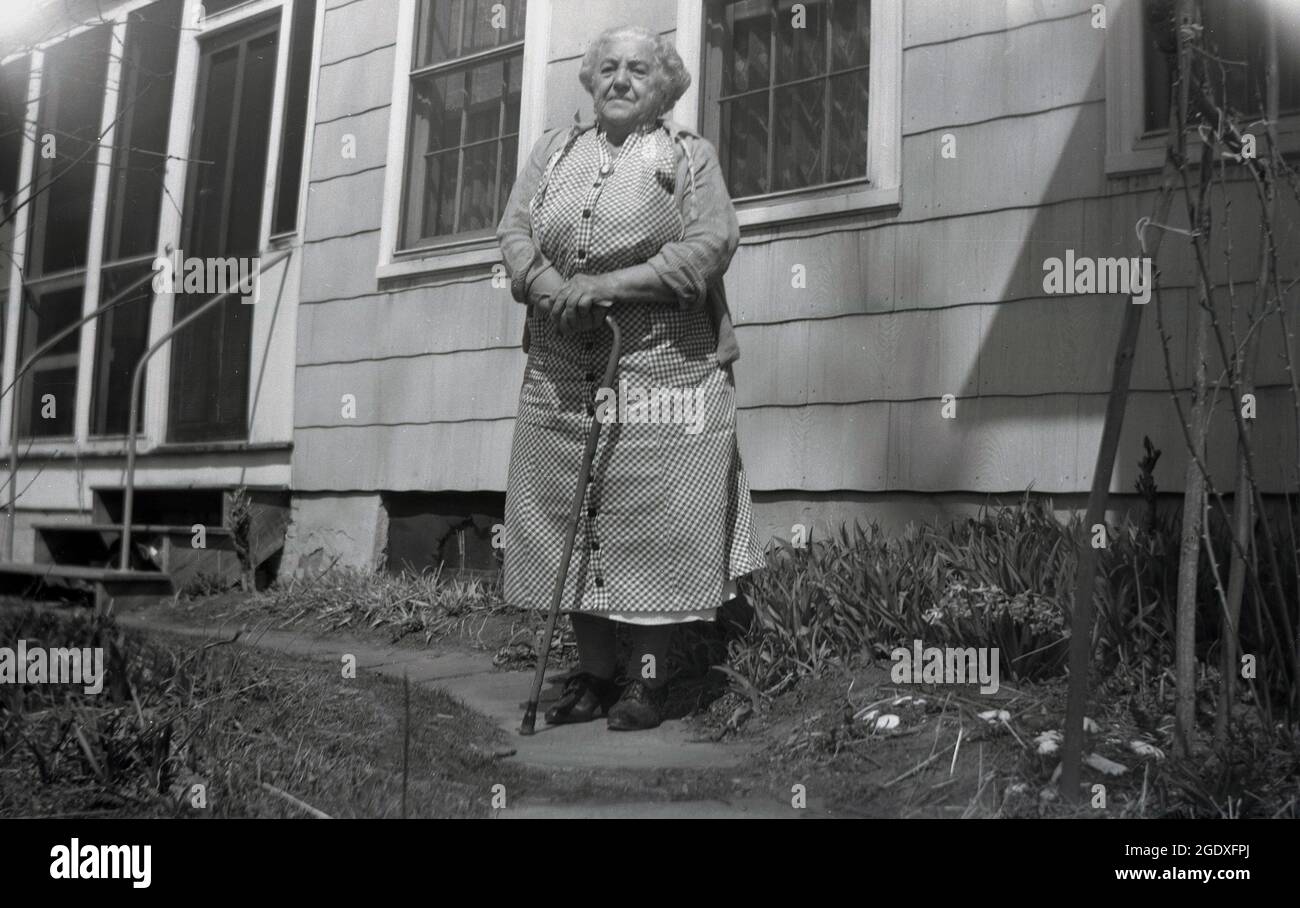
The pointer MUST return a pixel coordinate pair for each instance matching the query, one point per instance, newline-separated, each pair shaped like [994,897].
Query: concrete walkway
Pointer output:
[474,680]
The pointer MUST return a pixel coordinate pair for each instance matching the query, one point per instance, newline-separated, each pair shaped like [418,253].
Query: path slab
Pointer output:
[502,695]
[472,678]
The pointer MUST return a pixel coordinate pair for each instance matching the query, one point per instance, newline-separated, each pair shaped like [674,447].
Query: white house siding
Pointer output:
[839,382]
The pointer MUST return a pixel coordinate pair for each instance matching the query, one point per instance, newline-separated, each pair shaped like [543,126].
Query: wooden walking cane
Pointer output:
[575,513]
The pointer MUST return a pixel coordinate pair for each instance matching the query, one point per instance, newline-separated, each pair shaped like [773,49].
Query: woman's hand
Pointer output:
[542,292]
[579,304]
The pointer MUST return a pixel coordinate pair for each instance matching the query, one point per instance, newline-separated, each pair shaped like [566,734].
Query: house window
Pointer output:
[1233,32]
[785,92]
[67,146]
[223,209]
[13,112]
[463,129]
[803,101]
[134,205]
[1140,65]
[294,134]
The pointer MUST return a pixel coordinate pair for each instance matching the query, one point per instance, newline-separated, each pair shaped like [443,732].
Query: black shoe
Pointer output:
[637,709]
[585,698]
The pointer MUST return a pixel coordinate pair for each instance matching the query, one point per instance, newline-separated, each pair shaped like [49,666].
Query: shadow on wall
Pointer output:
[1030,405]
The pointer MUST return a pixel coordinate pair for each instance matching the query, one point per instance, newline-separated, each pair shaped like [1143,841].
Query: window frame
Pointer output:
[116,210]
[1130,148]
[87,275]
[240,40]
[59,282]
[314,31]
[453,254]
[883,186]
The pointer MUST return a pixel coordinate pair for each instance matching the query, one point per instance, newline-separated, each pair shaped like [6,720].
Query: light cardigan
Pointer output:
[692,266]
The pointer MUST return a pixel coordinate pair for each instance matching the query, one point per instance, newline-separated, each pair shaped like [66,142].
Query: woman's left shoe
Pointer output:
[638,709]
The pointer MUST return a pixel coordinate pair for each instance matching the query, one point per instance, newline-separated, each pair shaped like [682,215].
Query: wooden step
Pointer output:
[99,544]
[81,572]
[158,529]
[212,506]
[113,590]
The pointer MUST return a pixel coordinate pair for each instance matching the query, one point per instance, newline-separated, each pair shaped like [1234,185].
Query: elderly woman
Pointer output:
[627,215]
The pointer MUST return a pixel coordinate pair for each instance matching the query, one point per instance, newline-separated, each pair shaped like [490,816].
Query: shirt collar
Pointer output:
[673,127]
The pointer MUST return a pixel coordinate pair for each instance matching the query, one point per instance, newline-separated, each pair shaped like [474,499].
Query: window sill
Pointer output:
[429,262]
[1147,154]
[37,447]
[109,448]
[65,448]
[772,210]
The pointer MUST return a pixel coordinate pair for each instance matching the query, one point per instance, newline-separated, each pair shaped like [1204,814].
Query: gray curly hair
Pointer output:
[672,75]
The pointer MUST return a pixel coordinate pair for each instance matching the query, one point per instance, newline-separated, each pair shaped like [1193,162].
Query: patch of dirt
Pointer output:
[861,745]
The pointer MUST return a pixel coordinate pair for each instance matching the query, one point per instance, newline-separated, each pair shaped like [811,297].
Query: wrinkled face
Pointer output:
[625,84]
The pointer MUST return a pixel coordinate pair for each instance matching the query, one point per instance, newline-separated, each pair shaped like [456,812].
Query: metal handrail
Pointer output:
[11,516]
[128,497]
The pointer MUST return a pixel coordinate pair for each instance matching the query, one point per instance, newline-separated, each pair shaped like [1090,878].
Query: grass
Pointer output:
[264,734]
[1001,579]
[429,607]
[249,730]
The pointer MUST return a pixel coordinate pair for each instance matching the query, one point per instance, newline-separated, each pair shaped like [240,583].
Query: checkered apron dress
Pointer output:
[667,519]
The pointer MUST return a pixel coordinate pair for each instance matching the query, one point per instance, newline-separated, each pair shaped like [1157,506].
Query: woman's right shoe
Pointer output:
[585,698]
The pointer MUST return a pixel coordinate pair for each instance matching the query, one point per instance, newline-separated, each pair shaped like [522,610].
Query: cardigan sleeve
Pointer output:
[520,252]
[711,236]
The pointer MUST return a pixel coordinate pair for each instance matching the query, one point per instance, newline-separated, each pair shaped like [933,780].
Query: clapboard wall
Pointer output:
[840,381]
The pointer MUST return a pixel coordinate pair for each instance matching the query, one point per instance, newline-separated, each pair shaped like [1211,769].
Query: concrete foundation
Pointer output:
[323,526]
[419,531]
